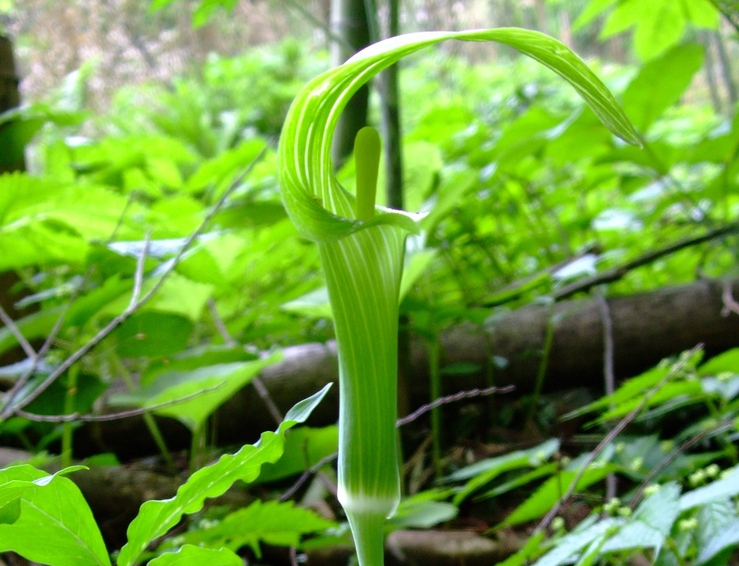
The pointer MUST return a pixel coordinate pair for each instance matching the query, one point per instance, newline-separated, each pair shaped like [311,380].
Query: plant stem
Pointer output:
[68,427]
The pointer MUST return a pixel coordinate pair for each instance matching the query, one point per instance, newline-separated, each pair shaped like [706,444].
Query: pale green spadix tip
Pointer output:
[367,146]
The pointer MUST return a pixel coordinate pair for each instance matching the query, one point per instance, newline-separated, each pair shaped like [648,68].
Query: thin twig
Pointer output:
[469,394]
[613,434]
[138,278]
[15,331]
[112,416]
[611,275]
[133,305]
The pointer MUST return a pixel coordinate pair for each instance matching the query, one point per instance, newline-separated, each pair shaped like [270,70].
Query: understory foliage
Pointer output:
[168,210]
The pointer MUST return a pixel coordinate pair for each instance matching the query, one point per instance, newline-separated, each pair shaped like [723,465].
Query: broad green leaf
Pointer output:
[651,523]
[666,393]
[725,362]
[661,30]
[485,471]
[718,490]
[531,549]
[627,14]
[223,168]
[313,304]
[213,260]
[420,512]
[522,479]
[727,537]
[178,295]
[304,447]
[660,84]
[55,525]
[552,490]
[217,384]
[702,13]
[151,333]
[571,544]
[197,357]
[155,518]
[276,523]
[190,555]
[592,10]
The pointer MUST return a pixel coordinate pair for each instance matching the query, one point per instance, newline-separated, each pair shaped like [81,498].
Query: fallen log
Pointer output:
[646,328]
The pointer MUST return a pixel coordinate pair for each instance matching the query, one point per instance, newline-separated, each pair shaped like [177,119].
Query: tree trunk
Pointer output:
[646,328]
[349,22]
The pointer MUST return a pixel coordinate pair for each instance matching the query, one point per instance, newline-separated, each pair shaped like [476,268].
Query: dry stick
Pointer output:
[423,409]
[608,372]
[619,272]
[261,389]
[613,434]
[137,303]
[15,331]
[112,416]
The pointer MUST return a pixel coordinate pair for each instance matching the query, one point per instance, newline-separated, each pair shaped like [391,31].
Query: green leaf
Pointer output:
[10,512]
[725,362]
[151,333]
[718,490]
[190,555]
[531,549]
[585,534]
[726,538]
[592,10]
[651,523]
[702,13]
[661,30]
[420,512]
[304,447]
[275,523]
[545,497]
[156,517]
[55,525]
[660,84]
[173,385]
[485,471]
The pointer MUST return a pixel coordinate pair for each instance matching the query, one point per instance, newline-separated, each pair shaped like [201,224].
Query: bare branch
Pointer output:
[15,331]
[112,416]
[611,275]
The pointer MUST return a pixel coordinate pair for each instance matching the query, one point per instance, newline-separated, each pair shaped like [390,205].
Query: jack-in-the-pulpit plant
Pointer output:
[362,247]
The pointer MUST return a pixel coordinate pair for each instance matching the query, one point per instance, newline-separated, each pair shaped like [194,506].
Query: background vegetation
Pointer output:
[147,259]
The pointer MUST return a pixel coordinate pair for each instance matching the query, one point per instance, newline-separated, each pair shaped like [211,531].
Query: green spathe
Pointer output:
[362,248]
